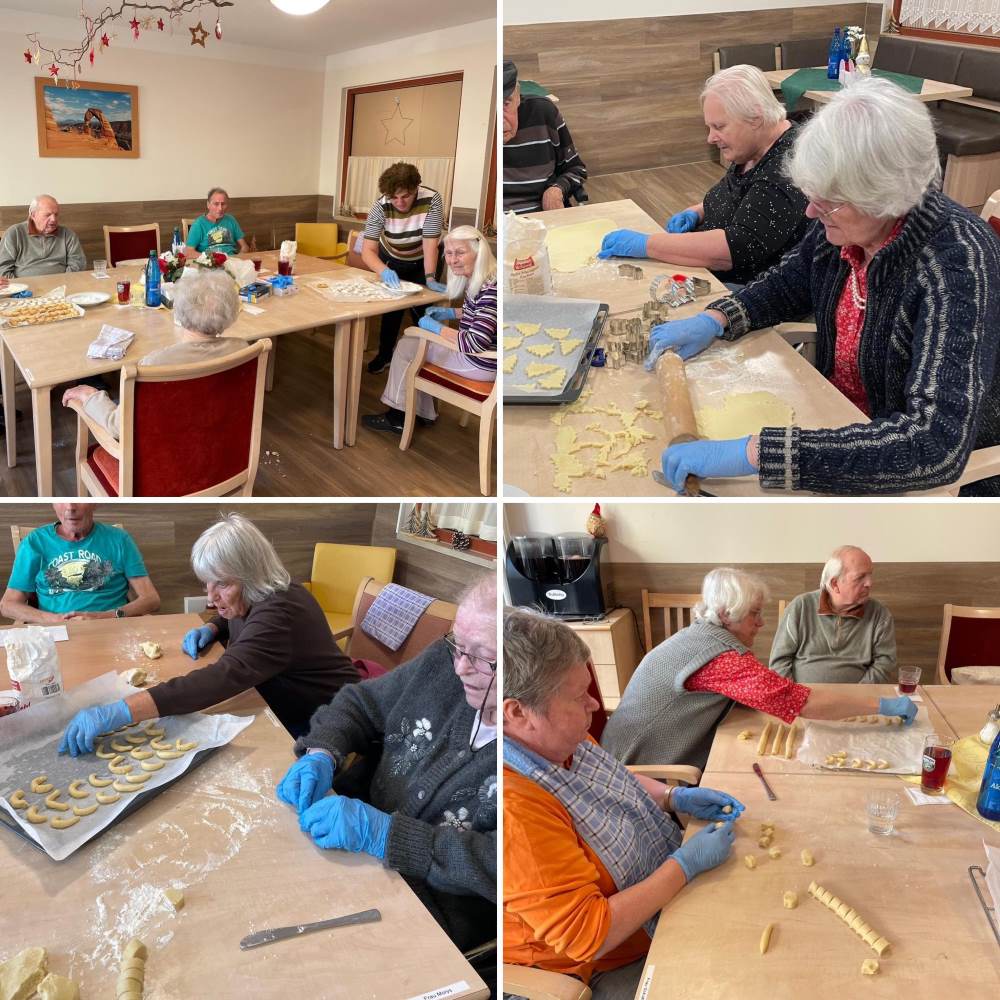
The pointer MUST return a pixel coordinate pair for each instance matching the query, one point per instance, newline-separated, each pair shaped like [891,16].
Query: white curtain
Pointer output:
[472,518]
[973,16]
[363,172]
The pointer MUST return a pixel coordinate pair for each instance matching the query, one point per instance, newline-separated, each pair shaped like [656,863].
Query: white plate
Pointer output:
[88,298]
[12,289]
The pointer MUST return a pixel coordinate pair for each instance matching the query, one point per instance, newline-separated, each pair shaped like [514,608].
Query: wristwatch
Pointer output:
[119,612]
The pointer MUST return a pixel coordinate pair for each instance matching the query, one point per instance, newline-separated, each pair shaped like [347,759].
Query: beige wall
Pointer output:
[530,12]
[432,131]
[256,131]
[469,48]
[795,532]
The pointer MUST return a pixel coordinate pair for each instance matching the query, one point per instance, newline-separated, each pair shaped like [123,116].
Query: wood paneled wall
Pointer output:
[628,89]
[269,219]
[165,533]
[914,592]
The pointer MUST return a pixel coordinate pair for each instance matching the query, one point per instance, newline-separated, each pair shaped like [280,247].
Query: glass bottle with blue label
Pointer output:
[153,281]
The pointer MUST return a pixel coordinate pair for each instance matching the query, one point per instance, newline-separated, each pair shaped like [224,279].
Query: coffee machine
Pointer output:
[558,574]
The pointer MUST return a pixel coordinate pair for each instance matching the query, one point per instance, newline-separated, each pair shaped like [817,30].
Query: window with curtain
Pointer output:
[965,17]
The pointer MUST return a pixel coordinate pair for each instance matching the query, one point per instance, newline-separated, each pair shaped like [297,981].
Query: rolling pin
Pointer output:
[678,414]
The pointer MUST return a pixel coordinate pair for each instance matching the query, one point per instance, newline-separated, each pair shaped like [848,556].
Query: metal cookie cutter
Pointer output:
[669,290]
[630,271]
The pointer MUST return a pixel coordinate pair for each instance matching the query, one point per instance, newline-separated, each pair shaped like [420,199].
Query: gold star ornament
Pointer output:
[198,35]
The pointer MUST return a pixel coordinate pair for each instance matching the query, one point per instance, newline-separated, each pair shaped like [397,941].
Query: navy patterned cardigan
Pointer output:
[927,357]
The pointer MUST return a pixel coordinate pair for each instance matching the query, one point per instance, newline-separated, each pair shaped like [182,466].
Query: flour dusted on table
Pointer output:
[33,664]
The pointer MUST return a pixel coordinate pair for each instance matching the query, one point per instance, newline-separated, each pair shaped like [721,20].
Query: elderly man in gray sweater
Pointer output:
[40,245]
[838,634]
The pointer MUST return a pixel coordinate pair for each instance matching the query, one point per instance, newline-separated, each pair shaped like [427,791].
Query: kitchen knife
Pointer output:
[763,781]
[281,933]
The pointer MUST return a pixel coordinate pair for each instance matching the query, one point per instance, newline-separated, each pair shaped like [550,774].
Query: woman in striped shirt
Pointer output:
[401,242]
[472,270]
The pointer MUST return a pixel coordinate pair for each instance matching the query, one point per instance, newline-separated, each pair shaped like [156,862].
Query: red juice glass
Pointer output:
[257,261]
[935,763]
[909,678]
[284,267]
[124,290]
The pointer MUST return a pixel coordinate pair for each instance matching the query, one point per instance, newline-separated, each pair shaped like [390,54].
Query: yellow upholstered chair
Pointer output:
[318,239]
[336,572]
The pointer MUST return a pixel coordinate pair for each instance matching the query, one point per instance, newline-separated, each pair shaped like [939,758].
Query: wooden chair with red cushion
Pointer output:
[469,395]
[186,430]
[130,243]
[970,637]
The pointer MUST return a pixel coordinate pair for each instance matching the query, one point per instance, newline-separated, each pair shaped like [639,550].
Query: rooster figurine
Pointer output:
[595,523]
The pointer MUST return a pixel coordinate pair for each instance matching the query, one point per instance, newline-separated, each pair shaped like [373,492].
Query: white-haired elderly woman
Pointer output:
[685,686]
[206,304]
[472,276]
[755,213]
[905,287]
[274,635]
[591,851]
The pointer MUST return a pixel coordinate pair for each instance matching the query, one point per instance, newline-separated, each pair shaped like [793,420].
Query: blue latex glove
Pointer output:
[687,337]
[683,222]
[436,286]
[307,781]
[706,849]
[198,639]
[426,323]
[623,243]
[903,707]
[390,278]
[86,724]
[705,803]
[704,459]
[441,313]
[347,824]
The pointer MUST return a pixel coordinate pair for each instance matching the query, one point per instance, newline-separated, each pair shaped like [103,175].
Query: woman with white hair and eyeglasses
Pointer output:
[685,686]
[905,287]
[472,274]
[275,637]
[754,213]
[206,304]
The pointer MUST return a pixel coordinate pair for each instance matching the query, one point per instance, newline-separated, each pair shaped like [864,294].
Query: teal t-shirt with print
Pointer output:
[223,235]
[89,575]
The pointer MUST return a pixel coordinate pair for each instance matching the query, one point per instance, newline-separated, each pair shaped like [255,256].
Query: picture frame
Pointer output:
[89,120]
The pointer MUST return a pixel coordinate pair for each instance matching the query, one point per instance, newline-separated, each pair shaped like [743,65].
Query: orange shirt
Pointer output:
[555,889]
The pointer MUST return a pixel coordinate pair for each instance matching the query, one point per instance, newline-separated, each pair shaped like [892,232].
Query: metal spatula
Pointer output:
[281,933]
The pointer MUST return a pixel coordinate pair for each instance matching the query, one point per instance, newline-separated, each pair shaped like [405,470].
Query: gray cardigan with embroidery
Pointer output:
[442,797]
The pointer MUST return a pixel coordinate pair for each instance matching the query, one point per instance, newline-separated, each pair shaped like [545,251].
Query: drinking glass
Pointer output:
[100,268]
[909,678]
[284,267]
[935,763]
[881,806]
[124,292]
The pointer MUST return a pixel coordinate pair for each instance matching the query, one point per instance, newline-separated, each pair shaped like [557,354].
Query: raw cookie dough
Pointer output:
[554,380]
[54,987]
[745,735]
[17,800]
[764,737]
[569,346]
[558,333]
[41,784]
[750,861]
[743,413]
[20,975]
[851,917]
[84,810]
[99,782]
[869,967]
[175,898]
[34,816]
[528,329]
[807,858]
[537,368]
[765,938]
[509,363]
[512,342]
[152,765]
[573,247]
[61,822]
[541,350]
[151,649]
[76,789]
[790,899]
[52,801]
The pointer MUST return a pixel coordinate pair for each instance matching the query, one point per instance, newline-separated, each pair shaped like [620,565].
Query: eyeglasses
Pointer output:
[479,662]
[824,213]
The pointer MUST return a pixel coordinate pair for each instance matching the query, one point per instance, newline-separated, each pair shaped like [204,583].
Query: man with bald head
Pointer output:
[40,245]
[838,634]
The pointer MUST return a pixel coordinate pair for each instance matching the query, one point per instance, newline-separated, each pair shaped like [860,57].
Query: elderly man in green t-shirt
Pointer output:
[77,569]
[216,230]
[838,634]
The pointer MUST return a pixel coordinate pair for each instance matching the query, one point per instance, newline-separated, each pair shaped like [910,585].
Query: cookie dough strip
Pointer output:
[790,742]
[851,917]
[764,737]
[779,740]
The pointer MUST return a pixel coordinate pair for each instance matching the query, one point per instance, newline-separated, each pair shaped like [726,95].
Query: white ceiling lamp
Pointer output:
[299,6]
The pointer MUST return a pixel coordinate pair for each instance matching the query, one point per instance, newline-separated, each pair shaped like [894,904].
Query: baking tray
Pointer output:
[585,319]
[137,802]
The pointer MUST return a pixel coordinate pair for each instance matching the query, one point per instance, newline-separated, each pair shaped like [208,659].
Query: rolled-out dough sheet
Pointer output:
[572,247]
[743,413]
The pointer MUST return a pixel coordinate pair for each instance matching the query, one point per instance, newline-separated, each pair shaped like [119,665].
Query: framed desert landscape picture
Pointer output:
[96,119]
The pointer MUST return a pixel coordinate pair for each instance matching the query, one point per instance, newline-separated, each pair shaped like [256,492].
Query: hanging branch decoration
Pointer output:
[96,38]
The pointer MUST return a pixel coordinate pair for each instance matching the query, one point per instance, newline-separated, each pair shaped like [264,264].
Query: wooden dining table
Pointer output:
[932,90]
[913,887]
[220,835]
[56,353]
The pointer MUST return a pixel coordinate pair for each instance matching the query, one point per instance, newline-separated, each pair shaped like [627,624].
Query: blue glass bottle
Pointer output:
[988,802]
[178,242]
[153,281]
[833,59]
[847,51]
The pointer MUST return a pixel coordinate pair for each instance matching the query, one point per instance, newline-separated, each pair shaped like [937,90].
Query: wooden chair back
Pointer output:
[469,395]
[186,224]
[781,610]
[676,610]
[600,718]
[970,637]
[436,621]
[763,55]
[317,239]
[130,242]
[540,984]
[354,241]
[167,414]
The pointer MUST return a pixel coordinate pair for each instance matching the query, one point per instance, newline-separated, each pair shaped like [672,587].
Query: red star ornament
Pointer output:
[53,70]
[105,41]
[134,25]
[27,55]
[159,24]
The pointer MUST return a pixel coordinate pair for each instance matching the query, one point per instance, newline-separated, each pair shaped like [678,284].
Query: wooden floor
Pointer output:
[659,191]
[297,457]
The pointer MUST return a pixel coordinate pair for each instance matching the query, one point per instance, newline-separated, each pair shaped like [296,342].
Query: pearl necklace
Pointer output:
[860,301]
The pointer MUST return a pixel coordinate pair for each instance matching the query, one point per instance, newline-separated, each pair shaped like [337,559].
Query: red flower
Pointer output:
[218,259]
[180,258]
[163,265]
